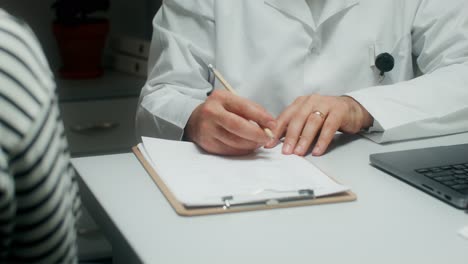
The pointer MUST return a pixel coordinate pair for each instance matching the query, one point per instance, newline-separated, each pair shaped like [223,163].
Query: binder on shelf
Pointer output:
[185,197]
[131,46]
[128,64]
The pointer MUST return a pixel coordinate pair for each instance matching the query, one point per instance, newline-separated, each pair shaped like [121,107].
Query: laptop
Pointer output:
[439,171]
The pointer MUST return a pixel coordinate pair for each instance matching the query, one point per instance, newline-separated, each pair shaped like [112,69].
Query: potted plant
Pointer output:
[80,37]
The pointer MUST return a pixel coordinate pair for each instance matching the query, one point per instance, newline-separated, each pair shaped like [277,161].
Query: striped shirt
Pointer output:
[39,199]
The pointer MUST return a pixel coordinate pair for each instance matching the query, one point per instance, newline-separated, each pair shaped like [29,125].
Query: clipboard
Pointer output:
[307,198]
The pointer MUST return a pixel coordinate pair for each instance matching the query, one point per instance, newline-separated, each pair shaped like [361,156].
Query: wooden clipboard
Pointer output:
[195,211]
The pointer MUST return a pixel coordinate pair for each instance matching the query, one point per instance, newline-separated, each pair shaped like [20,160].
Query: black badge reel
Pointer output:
[384,63]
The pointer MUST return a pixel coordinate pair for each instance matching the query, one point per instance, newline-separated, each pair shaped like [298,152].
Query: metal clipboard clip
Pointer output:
[307,192]
[226,201]
[304,194]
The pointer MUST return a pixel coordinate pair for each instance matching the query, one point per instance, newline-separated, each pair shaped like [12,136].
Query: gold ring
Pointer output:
[319,114]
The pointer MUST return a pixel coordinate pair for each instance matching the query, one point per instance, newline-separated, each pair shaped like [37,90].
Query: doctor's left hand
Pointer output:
[318,116]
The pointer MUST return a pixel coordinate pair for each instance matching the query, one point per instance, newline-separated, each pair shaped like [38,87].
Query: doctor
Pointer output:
[305,69]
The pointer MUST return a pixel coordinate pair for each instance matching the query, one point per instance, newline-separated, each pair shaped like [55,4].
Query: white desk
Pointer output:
[391,222]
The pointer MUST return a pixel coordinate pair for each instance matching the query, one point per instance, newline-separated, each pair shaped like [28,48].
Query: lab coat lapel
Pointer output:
[297,9]
[333,7]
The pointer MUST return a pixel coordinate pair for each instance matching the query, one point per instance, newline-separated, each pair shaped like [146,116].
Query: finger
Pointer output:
[249,110]
[286,116]
[331,125]
[219,148]
[278,132]
[232,122]
[272,143]
[283,121]
[235,141]
[242,128]
[292,135]
[281,126]
[312,127]
[295,128]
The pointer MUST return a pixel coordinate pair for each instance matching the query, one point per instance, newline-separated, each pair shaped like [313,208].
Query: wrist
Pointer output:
[366,118]
[190,127]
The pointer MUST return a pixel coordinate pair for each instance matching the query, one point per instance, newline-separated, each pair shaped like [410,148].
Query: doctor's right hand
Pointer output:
[222,124]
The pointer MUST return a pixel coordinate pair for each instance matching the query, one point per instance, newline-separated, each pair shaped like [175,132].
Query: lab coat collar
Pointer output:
[299,9]
[333,7]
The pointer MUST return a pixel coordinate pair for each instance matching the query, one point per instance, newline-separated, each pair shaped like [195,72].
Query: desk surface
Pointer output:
[391,222]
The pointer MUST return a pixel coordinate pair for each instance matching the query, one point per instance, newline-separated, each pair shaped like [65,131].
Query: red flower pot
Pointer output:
[81,47]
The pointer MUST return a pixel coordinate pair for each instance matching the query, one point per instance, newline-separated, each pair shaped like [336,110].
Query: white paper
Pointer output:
[197,178]
[464,232]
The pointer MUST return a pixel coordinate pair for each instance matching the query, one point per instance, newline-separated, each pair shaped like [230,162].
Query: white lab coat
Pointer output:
[272,51]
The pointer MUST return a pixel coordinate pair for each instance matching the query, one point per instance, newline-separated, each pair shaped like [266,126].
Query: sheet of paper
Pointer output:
[197,178]
[464,232]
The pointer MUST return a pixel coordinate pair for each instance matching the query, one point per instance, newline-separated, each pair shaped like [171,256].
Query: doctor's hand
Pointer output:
[318,117]
[222,124]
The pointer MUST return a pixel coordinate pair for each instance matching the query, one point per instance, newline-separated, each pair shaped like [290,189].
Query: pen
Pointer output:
[228,87]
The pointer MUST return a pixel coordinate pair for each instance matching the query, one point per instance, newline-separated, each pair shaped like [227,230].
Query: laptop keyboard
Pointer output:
[452,176]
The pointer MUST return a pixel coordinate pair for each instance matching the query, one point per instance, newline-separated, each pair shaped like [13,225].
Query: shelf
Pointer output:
[111,85]
[84,140]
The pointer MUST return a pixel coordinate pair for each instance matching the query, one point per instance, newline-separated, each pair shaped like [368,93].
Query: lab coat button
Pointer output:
[314,50]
